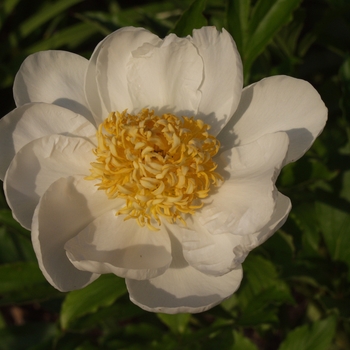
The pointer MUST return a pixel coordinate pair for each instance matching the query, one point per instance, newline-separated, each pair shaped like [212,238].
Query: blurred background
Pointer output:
[295,293]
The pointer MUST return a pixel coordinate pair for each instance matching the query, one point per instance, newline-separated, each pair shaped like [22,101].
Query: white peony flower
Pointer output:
[106,185]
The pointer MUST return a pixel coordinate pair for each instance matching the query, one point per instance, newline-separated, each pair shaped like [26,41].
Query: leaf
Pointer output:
[101,293]
[46,13]
[241,342]
[267,18]
[177,323]
[335,227]
[71,37]
[237,21]
[23,282]
[191,19]
[317,336]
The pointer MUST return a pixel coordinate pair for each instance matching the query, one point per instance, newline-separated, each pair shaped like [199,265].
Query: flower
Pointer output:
[149,161]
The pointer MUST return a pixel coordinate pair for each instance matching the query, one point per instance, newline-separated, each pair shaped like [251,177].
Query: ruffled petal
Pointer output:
[182,288]
[109,65]
[40,163]
[32,121]
[112,245]
[278,103]
[55,77]
[218,254]
[68,206]
[166,77]
[246,200]
[242,245]
[223,76]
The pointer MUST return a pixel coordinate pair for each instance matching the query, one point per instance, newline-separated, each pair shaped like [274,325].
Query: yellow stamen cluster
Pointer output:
[160,165]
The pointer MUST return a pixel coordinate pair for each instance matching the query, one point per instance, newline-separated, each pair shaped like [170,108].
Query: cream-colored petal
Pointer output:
[55,77]
[182,288]
[112,245]
[32,121]
[109,65]
[219,254]
[246,200]
[278,103]
[223,76]
[166,76]
[68,206]
[40,163]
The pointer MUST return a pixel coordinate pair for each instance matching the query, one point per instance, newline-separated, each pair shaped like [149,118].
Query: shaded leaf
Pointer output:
[317,336]
[191,19]
[101,293]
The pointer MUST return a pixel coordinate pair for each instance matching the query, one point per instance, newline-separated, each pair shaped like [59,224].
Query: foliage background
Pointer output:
[295,294]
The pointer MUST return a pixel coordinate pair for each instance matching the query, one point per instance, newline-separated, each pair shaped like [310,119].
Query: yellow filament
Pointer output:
[160,165]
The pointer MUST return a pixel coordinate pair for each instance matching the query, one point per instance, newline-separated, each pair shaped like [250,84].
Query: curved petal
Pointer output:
[32,121]
[68,206]
[112,245]
[278,103]
[219,254]
[223,76]
[166,77]
[242,245]
[40,163]
[55,77]
[182,288]
[246,200]
[109,65]
[210,254]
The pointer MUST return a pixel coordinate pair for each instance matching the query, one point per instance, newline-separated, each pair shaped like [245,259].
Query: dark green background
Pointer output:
[296,286]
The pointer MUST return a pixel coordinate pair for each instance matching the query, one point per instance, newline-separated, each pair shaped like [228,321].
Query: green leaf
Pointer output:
[191,19]
[71,37]
[317,336]
[23,282]
[237,21]
[335,227]
[241,342]
[101,293]
[268,17]
[177,323]
[46,13]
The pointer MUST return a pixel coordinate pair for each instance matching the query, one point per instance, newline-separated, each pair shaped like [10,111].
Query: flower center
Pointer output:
[160,165]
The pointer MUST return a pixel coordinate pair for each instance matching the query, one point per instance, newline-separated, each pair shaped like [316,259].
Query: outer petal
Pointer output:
[166,77]
[40,163]
[182,288]
[219,254]
[55,77]
[109,65]
[246,200]
[223,76]
[32,121]
[274,104]
[68,206]
[112,245]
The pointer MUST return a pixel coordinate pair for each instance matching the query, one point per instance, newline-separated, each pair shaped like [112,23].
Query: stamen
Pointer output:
[160,165]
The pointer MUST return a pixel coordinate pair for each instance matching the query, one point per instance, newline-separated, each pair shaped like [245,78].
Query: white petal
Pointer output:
[246,200]
[182,288]
[219,254]
[210,254]
[223,76]
[68,206]
[32,121]
[112,245]
[110,61]
[278,103]
[166,77]
[55,77]
[242,245]
[40,163]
